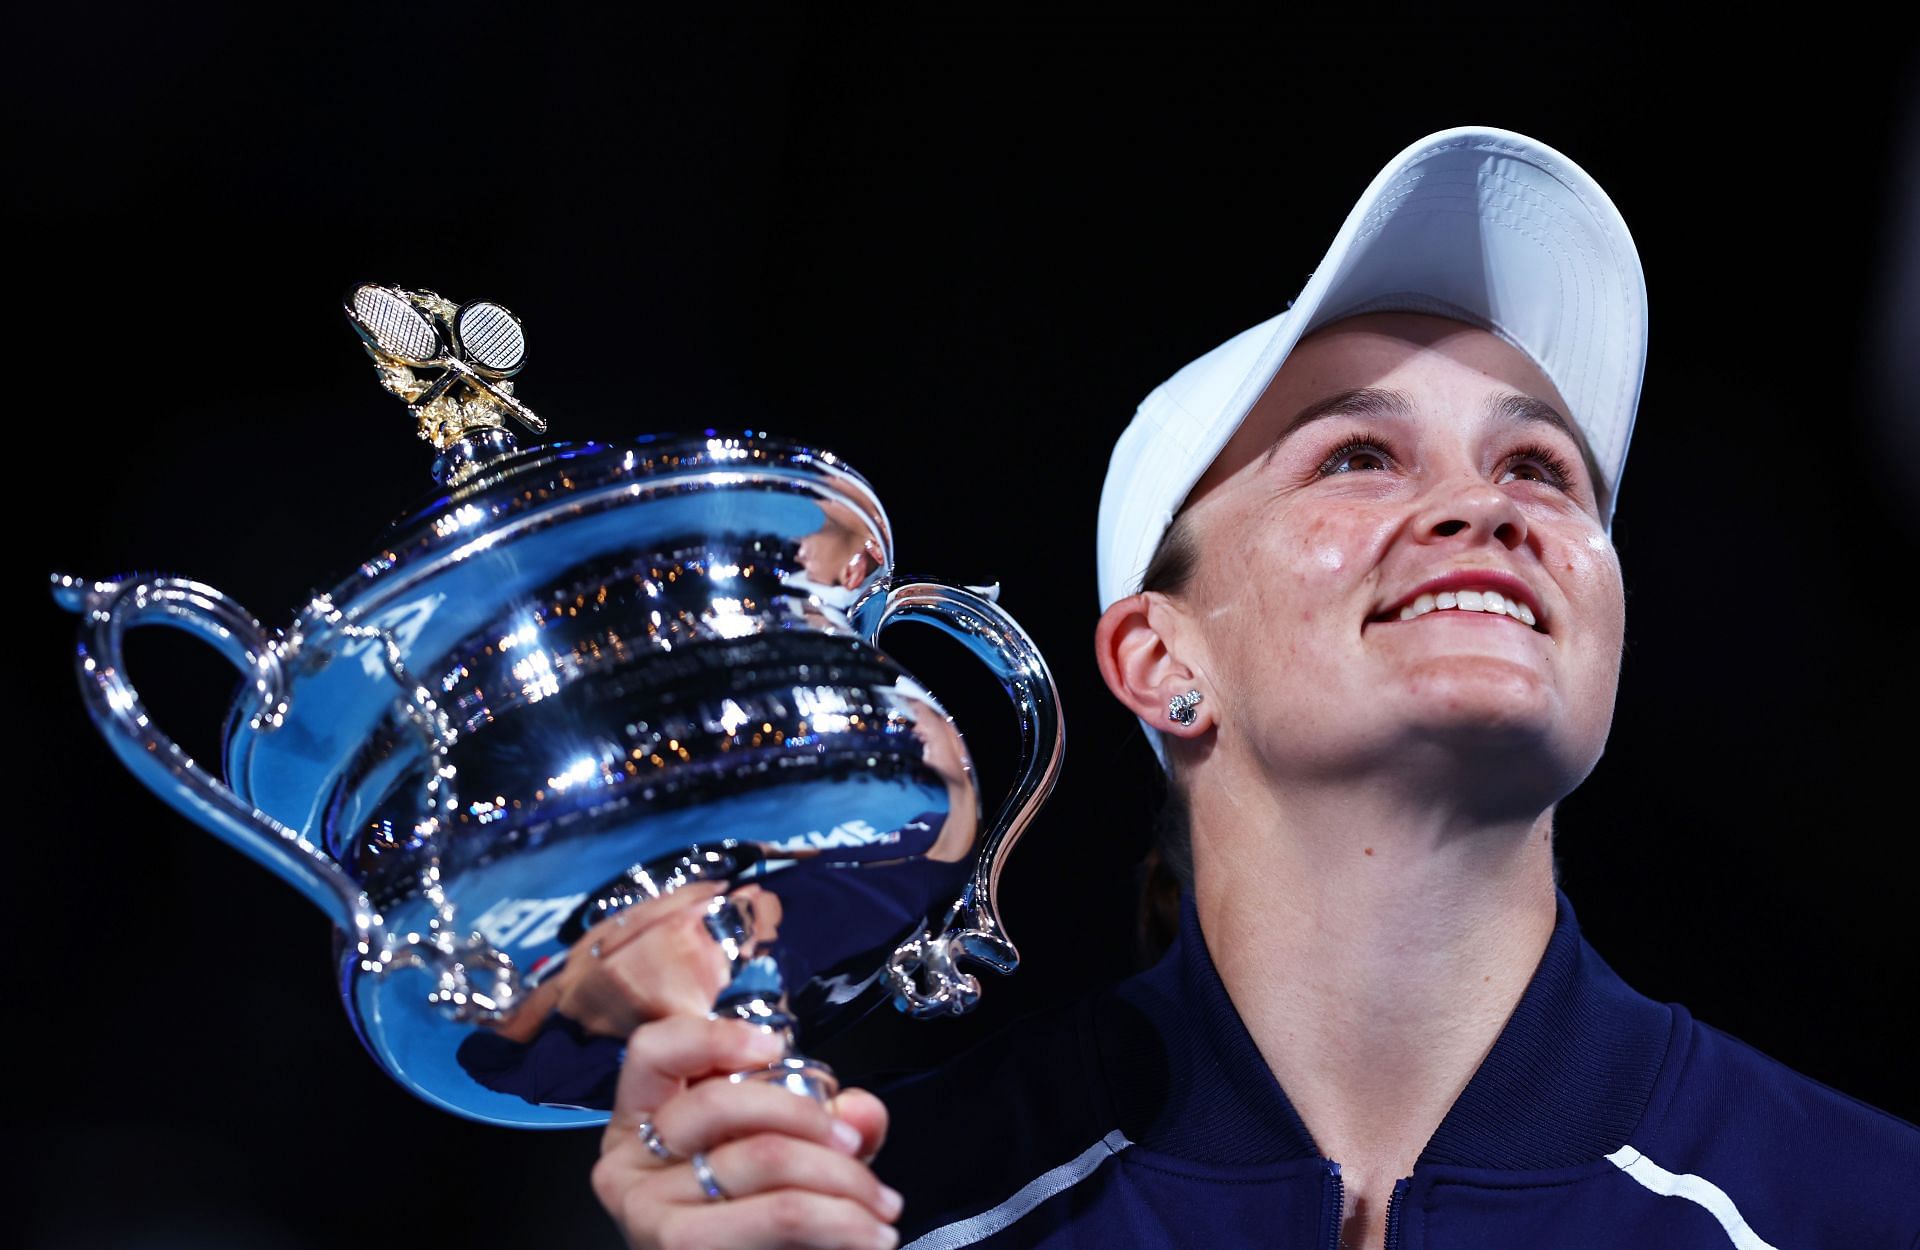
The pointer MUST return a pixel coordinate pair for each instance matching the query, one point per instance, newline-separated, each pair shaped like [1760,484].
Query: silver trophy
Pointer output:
[603,732]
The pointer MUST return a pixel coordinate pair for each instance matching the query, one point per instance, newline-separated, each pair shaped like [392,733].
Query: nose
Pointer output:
[1471,509]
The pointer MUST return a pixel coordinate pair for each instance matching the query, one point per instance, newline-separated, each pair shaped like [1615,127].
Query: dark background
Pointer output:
[958,255]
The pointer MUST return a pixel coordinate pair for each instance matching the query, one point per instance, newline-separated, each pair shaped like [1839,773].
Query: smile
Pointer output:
[1487,601]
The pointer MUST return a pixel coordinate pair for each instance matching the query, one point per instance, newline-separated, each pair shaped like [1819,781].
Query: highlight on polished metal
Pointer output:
[601,733]
[476,348]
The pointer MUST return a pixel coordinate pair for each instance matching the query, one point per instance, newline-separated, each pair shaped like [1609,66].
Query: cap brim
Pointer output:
[1476,223]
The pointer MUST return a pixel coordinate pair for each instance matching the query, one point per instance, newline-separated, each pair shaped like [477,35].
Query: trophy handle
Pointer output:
[112,608]
[924,973]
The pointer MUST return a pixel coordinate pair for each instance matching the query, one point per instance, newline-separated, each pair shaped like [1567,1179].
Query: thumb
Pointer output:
[867,1114]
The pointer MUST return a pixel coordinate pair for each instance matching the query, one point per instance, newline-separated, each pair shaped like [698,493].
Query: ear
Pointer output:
[1139,652]
[859,565]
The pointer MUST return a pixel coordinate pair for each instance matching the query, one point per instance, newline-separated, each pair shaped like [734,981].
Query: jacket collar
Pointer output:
[1566,1081]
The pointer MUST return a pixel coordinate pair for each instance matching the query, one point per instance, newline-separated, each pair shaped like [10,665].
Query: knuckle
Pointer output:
[787,1210]
[764,1154]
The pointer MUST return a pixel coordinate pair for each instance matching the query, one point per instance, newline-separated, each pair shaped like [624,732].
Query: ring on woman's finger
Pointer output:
[651,1139]
[704,1174]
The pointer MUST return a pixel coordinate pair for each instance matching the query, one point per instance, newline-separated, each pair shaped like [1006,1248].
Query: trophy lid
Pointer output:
[453,363]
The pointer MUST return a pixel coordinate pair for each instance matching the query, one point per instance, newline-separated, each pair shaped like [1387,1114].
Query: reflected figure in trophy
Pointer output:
[839,556]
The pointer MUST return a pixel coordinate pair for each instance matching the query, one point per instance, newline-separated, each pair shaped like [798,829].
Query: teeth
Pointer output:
[1470,601]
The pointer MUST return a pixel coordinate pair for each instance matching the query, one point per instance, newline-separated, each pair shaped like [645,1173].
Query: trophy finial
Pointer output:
[476,348]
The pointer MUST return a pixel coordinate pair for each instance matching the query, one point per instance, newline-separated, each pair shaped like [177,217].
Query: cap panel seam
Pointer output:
[1606,214]
[1532,215]
[1584,256]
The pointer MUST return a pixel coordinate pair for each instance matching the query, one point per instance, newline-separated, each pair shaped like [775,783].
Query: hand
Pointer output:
[795,1173]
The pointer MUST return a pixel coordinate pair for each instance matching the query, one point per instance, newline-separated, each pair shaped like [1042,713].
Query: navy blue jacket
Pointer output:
[1146,1116]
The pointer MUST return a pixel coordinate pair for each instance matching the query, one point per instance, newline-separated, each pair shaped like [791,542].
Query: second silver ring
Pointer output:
[704,1174]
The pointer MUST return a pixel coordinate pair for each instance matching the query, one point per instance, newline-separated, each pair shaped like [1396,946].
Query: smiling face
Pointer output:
[1402,461]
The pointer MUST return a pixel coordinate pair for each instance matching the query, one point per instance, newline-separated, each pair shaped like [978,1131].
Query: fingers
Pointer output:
[664,1055]
[794,1172]
[779,1190]
[784,1217]
[766,1162]
[712,1112]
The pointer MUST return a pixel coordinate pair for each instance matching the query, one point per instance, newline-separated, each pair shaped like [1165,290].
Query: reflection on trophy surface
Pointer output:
[602,733]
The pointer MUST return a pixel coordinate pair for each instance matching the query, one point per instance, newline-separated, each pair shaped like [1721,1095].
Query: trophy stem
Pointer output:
[757,994]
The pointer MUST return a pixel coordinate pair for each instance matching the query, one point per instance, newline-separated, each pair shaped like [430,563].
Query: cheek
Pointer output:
[1594,580]
[1591,576]
[1325,554]
[1328,551]
[1293,578]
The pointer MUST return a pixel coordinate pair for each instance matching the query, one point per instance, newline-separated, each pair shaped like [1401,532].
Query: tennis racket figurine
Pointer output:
[476,347]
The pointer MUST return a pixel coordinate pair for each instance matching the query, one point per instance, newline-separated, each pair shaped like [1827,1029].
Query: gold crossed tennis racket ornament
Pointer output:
[474,347]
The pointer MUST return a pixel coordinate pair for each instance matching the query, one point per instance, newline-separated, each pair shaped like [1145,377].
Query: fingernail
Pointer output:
[766,1046]
[887,1239]
[846,1137]
[891,1202]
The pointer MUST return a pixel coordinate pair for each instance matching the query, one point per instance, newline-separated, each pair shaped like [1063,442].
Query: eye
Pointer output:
[1354,453]
[1548,466]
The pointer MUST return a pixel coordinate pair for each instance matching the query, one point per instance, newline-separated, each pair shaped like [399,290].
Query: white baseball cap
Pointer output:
[1475,223]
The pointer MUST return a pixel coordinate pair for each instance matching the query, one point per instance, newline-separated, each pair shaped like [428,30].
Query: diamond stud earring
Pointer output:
[1180,707]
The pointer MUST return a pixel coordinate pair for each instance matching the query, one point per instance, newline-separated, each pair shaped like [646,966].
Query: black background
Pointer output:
[959,255]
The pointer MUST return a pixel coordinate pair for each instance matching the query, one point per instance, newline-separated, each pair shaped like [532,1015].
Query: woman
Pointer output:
[1358,584]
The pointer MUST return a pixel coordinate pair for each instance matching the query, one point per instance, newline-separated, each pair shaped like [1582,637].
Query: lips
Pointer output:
[1510,588]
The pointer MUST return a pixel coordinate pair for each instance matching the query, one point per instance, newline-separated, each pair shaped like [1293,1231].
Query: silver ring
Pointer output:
[704,1174]
[651,1140]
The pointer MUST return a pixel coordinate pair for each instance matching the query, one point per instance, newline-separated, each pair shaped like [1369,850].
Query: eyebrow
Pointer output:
[1369,401]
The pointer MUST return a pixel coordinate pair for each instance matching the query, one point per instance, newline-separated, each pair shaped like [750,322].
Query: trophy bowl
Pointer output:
[603,732]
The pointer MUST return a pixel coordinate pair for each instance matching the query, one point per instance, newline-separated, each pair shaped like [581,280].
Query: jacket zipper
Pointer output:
[1333,1206]
[1393,1212]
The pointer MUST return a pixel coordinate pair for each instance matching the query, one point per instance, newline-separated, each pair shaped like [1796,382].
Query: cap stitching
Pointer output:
[1622,404]
[1527,206]
[1599,335]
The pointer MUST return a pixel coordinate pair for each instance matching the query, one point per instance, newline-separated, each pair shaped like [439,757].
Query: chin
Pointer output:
[1503,713]
[1489,688]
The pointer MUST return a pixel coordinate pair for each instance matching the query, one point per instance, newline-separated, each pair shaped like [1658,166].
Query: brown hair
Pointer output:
[1167,870]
